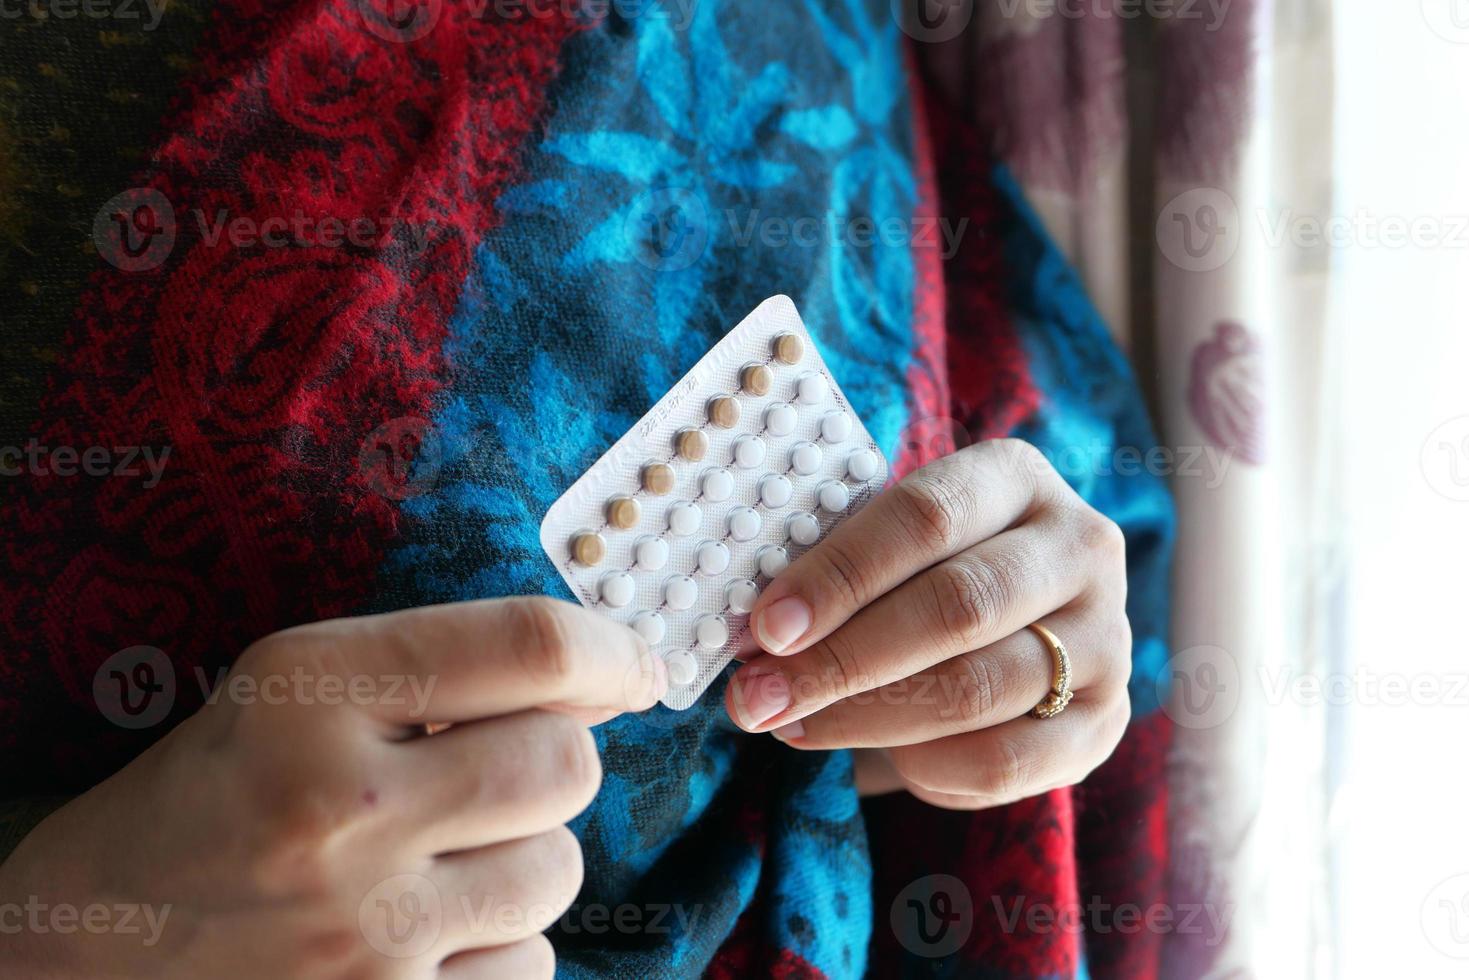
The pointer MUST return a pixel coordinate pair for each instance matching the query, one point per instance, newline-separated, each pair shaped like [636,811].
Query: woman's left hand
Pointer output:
[905,631]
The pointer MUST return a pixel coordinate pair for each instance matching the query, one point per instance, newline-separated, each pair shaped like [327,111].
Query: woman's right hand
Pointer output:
[309,830]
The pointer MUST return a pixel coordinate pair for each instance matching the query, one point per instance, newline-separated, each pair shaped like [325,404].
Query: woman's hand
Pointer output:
[320,834]
[905,631]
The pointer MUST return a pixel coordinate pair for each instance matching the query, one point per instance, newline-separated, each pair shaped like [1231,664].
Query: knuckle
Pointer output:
[841,667]
[1102,535]
[968,596]
[562,854]
[846,574]
[931,513]
[578,765]
[980,689]
[538,959]
[1020,460]
[536,627]
[1010,774]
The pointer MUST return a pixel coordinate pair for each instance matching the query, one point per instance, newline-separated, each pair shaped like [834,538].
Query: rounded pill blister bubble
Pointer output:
[650,553]
[780,420]
[718,485]
[744,523]
[811,389]
[862,465]
[684,518]
[805,458]
[624,512]
[741,595]
[756,379]
[682,668]
[680,592]
[776,490]
[658,478]
[713,557]
[772,560]
[803,528]
[711,631]
[651,627]
[589,548]
[749,451]
[724,411]
[833,496]
[692,444]
[618,589]
[836,426]
[788,348]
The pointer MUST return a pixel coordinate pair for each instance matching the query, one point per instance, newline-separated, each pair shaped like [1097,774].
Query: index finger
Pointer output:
[470,660]
[932,514]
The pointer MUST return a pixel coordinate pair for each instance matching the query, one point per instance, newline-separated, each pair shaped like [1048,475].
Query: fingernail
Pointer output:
[782,623]
[787,732]
[762,697]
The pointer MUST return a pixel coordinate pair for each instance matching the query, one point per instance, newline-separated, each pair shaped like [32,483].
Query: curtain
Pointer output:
[1183,162]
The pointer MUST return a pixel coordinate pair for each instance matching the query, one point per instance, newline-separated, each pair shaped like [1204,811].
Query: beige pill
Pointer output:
[623,512]
[692,444]
[589,548]
[789,349]
[724,411]
[757,379]
[658,478]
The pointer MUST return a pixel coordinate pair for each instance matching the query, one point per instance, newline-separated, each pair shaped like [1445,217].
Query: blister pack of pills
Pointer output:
[749,460]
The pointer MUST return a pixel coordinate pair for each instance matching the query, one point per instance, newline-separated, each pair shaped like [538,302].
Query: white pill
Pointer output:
[862,465]
[744,523]
[713,557]
[776,491]
[684,518]
[718,485]
[780,420]
[651,627]
[749,451]
[680,592]
[741,595]
[805,458]
[712,632]
[833,496]
[836,427]
[651,553]
[772,560]
[811,389]
[682,668]
[803,528]
[618,589]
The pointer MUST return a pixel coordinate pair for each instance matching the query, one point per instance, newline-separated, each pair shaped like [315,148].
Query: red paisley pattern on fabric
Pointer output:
[261,367]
